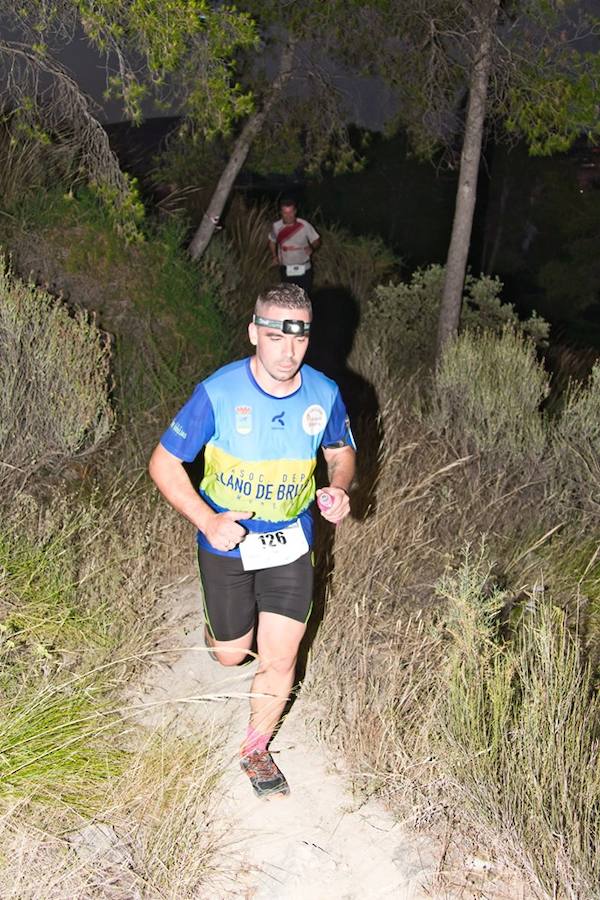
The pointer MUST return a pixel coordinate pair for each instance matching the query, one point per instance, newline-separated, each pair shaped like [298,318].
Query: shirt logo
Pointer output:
[243,419]
[176,427]
[277,421]
[314,419]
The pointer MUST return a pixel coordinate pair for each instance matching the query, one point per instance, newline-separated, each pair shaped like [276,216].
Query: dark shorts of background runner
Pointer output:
[304,281]
[233,597]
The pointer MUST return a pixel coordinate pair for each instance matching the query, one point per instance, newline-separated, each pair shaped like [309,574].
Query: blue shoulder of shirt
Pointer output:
[191,427]
[194,424]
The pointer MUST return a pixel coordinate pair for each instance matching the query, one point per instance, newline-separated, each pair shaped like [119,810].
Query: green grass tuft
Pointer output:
[57,745]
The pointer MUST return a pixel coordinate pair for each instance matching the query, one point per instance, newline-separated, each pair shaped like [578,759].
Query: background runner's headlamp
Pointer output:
[288,326]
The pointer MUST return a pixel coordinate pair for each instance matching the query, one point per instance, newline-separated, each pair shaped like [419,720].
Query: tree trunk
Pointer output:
[456,262]
[249,132]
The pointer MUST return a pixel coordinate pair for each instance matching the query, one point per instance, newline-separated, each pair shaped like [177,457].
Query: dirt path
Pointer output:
[315,843]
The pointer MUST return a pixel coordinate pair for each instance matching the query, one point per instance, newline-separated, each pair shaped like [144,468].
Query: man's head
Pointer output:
[287,297]
[279,331]
[288,209]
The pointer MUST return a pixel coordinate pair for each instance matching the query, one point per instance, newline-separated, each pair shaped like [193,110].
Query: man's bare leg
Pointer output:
[278,640]
[229,653]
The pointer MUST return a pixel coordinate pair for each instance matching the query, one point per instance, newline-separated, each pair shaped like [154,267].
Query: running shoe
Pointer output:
[265,777]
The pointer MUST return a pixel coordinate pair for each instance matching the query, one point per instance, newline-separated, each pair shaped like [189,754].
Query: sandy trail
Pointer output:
[315,843]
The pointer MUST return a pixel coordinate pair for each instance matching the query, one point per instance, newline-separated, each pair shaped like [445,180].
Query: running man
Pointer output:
[292,242]
[261,421]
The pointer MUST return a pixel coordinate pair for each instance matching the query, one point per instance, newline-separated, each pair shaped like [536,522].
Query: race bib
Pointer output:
[296,270]
[273,548]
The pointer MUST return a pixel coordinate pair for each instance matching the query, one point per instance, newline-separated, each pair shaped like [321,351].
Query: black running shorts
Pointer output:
[233,597]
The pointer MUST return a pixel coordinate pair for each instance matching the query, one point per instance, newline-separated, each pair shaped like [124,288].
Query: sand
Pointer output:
[319,842]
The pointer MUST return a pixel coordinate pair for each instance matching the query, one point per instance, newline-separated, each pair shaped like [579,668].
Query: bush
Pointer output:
[54,379]
[160,307]
[486,396]
[405,316]
[576,447]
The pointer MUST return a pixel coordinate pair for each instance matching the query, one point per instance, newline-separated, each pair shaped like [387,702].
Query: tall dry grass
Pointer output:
[86,549]
[80,617]
[460,689]
[149,835]
[576,447]
[517,729]
[435,690]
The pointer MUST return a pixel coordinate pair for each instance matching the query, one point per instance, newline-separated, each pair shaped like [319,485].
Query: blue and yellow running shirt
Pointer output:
[260,450]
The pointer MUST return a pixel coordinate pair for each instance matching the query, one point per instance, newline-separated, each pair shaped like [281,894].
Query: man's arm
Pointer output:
[273,249]
[314,245]
[169,476]
[341,466]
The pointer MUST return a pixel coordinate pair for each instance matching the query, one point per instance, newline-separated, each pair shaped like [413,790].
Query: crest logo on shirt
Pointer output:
[243,419]
[314,419]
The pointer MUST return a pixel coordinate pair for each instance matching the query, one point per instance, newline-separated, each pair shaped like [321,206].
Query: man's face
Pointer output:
[288,214]
[279,355]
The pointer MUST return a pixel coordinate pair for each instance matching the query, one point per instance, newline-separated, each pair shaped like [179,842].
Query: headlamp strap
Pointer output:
[288,326]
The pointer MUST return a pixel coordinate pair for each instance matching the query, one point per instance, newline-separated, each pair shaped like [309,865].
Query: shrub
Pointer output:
[173,334]
[54,378]
[236,268]
[576,447]
[403,318]
[151,296]
[219,269]
[405,315]
[486,396]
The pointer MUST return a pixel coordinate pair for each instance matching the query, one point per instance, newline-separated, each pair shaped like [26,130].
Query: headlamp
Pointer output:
[288,326]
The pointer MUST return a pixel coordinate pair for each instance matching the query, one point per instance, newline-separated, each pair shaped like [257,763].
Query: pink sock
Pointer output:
[254,741]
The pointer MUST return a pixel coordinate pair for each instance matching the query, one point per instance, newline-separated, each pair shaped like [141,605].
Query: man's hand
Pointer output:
[224,531]
[333,503]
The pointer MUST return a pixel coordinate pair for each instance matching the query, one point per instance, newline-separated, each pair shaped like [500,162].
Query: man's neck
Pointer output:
[271,385]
